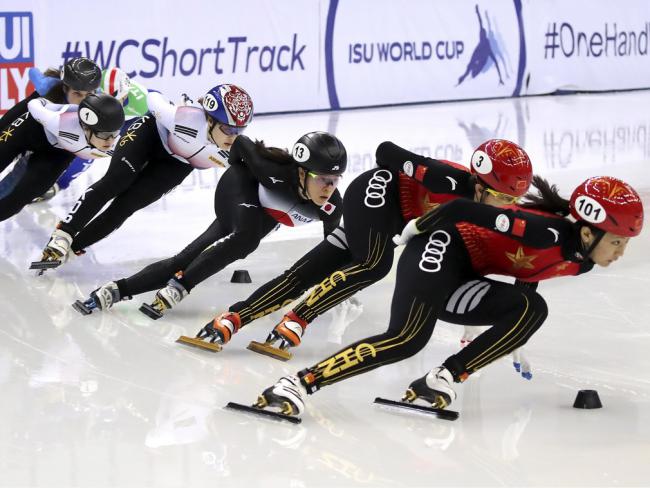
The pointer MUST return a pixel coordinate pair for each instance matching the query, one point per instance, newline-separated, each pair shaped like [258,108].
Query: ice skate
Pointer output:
[433,388]
[215,334]
[289,334]
[48,195]
[55,253]
[166,298]
[102,298]
[286,396]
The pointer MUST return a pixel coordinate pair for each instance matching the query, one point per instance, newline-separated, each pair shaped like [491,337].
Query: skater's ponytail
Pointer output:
[275,154]
[547,198]
[56,93]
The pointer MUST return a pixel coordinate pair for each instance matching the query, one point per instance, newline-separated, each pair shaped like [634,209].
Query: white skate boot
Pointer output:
[287,396]
[102,298]
[288,332]
[435,388]
[56,252]
[166,299]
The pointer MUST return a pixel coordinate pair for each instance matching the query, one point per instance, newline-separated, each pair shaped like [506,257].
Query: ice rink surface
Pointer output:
[109,400]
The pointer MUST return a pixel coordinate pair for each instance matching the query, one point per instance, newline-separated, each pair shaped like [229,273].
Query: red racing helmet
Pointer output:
[503,166]
[608,204]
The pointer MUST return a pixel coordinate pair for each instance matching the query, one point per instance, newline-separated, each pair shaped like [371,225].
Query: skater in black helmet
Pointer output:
[264,186]
[55,134]
[154,155]
[449,251]
[78,78]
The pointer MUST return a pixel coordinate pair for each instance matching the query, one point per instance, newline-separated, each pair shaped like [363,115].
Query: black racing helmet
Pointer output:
[81,74]
[320,152]
[100,112]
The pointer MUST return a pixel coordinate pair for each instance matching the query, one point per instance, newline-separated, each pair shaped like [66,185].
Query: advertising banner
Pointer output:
[418,50]
[295,55]
[586,45]
[272,49]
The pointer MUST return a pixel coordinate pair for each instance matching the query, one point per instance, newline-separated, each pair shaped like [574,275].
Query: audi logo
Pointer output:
[376,189]
[431,260]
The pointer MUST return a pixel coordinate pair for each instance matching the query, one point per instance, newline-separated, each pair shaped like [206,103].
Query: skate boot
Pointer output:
[166,298]
[215,334]
[55,253]
[289,332]
[287,396]
[434,388]
[48,195]
[102,298]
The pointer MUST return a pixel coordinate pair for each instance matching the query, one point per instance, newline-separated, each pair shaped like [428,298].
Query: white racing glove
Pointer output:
[470,333]
[521,363]
[408,232]
[343,315]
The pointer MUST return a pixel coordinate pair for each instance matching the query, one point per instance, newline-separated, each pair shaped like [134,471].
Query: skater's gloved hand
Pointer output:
[469,334]
[409,231]
[521,363]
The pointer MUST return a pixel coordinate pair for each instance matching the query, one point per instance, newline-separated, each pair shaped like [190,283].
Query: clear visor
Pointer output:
[105,136]
[231,130]
[502,197]
[325,180]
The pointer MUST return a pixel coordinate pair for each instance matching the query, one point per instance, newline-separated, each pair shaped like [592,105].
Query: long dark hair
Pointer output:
[56,94]
[547,198]
[275,154]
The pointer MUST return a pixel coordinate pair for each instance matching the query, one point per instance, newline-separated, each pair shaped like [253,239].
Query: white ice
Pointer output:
[110,400]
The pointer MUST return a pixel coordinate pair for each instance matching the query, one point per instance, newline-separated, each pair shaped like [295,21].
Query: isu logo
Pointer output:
[376,189]
[434,251]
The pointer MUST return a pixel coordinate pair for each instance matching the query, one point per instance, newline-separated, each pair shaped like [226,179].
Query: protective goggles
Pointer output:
[105,136]
[502,197]
[231,130]
[325,180]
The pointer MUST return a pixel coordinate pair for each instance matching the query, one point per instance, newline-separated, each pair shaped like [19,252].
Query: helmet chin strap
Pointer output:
[88,133]
[598,235]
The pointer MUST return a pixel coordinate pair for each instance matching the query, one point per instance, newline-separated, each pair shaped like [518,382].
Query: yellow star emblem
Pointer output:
[561,267]
[520,260]
[6,134]
[428,204]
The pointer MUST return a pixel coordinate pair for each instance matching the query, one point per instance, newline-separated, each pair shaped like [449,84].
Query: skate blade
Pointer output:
[264,413]
[149,311]
[438,412]
[267,350]
[81,307]
[201,344]
[42,265]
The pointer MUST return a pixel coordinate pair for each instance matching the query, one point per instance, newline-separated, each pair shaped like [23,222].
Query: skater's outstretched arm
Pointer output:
[435,175]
